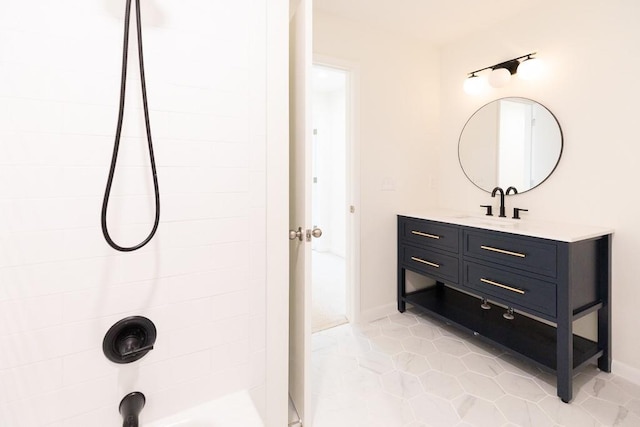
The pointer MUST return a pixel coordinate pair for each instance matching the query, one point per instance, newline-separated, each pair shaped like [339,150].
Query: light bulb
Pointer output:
[530,69]
[474,85]
[499,77]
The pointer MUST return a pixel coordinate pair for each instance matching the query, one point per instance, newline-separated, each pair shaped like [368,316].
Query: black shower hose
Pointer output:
[116,145]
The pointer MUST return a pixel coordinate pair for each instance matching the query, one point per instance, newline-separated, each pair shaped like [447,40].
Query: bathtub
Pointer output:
[234,410]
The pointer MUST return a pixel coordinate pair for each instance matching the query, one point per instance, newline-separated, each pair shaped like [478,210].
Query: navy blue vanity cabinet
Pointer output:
[541,279]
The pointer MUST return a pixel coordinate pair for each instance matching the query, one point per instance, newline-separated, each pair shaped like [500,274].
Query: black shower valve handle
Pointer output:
[132,353]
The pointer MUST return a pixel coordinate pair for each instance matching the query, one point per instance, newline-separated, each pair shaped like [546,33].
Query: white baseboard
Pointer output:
[625,371]
[377,313]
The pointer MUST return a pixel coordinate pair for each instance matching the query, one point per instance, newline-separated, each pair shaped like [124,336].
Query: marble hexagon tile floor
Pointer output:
[408,370]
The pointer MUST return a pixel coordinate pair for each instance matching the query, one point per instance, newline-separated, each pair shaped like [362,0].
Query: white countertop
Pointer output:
[564,232]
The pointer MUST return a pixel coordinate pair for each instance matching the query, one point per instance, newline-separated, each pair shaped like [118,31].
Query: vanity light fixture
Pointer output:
[527,67]
[474,84]
[530,68]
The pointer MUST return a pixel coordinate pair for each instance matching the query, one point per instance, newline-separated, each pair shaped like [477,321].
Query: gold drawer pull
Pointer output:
[432,264]
[502,251]
[500,285]
[431,236]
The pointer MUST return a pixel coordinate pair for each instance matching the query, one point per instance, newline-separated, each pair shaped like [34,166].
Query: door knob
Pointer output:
[316,232]
[293,234]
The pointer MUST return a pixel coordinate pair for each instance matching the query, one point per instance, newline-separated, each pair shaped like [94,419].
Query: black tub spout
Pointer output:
[130,408]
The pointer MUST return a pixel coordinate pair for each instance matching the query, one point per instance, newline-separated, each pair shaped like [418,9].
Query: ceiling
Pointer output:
[434,21]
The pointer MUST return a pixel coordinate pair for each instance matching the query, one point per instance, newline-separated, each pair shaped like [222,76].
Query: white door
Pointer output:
[300,60]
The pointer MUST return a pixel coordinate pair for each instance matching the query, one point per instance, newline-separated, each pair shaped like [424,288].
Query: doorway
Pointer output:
[331,287]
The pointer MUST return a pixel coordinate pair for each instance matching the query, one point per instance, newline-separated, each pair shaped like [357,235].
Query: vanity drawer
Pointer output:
[433,264]
[428,233]
[523,292]
[526,254]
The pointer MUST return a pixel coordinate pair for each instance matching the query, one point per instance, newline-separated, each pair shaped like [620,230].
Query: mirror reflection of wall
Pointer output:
[510,142]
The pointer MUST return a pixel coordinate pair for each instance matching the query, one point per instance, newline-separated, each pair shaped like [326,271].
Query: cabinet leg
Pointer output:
[565,387]
[604,339]
[565,361]
[402,306]
[604,314]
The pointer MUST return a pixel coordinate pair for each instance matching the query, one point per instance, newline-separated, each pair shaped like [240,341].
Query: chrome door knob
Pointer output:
[316,232]
[295,234]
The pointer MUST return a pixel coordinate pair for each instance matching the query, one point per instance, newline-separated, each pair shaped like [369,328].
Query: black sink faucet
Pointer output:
[493,194]
[515,191]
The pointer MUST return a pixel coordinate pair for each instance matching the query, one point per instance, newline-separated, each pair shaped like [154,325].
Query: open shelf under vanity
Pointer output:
[538,345]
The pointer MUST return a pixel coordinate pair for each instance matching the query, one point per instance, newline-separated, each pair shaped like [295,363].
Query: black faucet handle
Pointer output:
[489,209]
[516,212]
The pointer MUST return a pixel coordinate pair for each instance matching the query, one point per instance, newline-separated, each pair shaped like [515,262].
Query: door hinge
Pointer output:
[352,209]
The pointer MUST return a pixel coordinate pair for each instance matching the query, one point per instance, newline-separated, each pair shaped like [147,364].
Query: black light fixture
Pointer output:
[527,67]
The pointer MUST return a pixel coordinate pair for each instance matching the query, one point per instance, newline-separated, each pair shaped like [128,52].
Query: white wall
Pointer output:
[398,127]
[202,278]
[591,53]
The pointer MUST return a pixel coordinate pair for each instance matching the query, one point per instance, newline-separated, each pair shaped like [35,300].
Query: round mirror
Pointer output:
[510,142]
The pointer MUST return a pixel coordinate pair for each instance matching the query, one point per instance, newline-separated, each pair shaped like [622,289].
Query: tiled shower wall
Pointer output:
[202,279]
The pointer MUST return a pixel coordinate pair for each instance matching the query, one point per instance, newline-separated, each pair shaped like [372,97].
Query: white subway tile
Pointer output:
[186,99]
[229,355]
[179,316]
[111,300]
[229,330]
[231,304]
[209,231]
[184,153]
[44,82]
[30,313]
[204,180]
[138,266]
[28,380]
[258,188]
[181,207]
[86,366]
[193,339]
[257,297]
[56,245]
[258,260]
[257,333]
[66,402]
[208,127]
[29,115]
[51,181]
[257,365]
[103,417]
[181,261]
[56,277]
[88,119]
[206,284]
[31,346]
[229,255]
[230,380]
[258,155]
[169,373]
